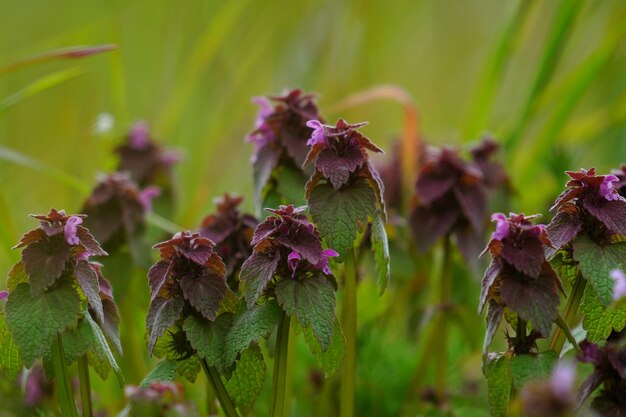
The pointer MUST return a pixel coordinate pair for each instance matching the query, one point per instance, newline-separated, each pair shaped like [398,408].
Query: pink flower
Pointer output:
[70,230]
[619,286]
[318,135]
[3,295]
[563,380]
[138,136]
[323,263]
[502,226]
[147,195]
[292,261]
[607,189]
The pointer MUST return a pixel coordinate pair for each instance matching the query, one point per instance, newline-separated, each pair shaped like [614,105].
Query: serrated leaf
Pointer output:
[331,360]
[162,314]
[596,262]
[380,246]
[250,326]
[10,361]
[188,368]
[101,348]
[264,163]
[600,321]
[34,320]
[564,267]
[340,214]
[255,273]
[164,371]
[499,384]
[312,301]
[16,276]
[532,366]
[246,382]
[208,337]
[44,262]
[205,293]
[88,282]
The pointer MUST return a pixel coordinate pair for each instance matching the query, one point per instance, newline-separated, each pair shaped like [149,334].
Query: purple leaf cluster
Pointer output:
[116,209]
[609,372]
[286,246]
[590,205]
[190,278]
[452,197]
[519,277]
[231,231]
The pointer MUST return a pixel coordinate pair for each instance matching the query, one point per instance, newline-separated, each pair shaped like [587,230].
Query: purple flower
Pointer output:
[138,136]
[563,380]
[502,226]
[293,259]
[607,189]
[318,136]
[70,230]
[3,295]
[323,263]
[147,195]
[619,286]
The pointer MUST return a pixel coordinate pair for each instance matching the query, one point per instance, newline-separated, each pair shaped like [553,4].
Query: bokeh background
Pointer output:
[545,78]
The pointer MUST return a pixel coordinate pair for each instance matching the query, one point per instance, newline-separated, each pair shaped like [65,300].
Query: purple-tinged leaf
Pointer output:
[256,272]
[432,185]
[611,213]
[44,262]
[337,168]
[30,237]
[528,257]
[563,228]
[472,199]
[470,243]
[429,223]
[89,242]
[492,272]
[494,315]
[162,314]
[88,282]
[157,276]
[205,293]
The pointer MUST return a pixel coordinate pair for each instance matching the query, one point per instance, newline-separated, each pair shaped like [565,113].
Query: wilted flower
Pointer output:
[190,274]
[619,284]
[590,205]
[519,277]
[610,373]
[231,231]
[553,398]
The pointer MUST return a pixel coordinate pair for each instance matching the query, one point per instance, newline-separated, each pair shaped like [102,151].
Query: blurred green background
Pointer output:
[547,78]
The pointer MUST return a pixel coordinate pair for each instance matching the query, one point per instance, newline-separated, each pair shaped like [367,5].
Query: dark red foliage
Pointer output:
[189,277]
[519,276]
[231,231]
[145,160]
[451,198]
[590,205]
[483,154]
[111,317]
[610,373]
[116,209]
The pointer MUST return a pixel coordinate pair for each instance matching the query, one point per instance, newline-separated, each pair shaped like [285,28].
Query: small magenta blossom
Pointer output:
[293,260]
[619,286]
[70,230]
[607,188]
[318,136]
[147,195]
[139,137]
[502,226]
[3,295]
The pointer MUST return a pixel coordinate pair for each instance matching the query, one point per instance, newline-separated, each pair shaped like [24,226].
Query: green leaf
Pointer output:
[290,183]
[207,337]
[564,266]
[312,301]
[17,276]
[340,214]
[101,349]
[526,368]
[10,361]
[247,381]
[380,246]
[331,360]
[499,384]
[165,371]
[188,368]
[596,262]
[250,326]
[34,321]
[598,320]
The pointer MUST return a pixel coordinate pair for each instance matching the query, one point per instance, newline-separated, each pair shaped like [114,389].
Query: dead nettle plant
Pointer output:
[60,308]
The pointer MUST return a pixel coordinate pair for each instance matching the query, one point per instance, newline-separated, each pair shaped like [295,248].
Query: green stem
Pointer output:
[568,334]
[569,314]
[445,287]
[348,380]
[211,396]
[279,388]
[85,386]
[64,387]
[220,390]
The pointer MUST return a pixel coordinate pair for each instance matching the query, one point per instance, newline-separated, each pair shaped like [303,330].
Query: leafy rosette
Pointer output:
[345,192]
[116,211]
[55,291]
[290,266]
[609,363]
[147,162]
[519,277]
[280,138]
[231,231]
[451,198]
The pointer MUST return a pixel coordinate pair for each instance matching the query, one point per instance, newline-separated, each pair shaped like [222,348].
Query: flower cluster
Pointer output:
[116,209]
[189,279]
[590,205]
[452,197]
[145,160]
[609,372]
[231,231]
[285,245]
[519,277]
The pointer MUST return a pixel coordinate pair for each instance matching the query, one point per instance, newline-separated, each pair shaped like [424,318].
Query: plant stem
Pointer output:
[279,384]
[441,329]
[220,390]
[85,386]
[64,387]
[569,314]
[568,334]
[348,380]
